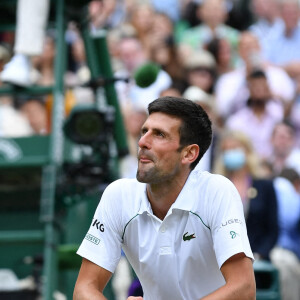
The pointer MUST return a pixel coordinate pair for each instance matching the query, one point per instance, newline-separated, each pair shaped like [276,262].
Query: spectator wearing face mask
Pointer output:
[259,117]
[237,161]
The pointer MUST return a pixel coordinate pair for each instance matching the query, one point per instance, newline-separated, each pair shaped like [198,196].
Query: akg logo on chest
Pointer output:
[98,225]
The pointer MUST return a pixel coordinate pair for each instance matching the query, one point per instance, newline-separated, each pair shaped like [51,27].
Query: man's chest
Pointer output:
[181,239]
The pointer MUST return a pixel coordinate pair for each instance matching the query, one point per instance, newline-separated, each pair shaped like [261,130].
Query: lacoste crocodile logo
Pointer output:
[188,237]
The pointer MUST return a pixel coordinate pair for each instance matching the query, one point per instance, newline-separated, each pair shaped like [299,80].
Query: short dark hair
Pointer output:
[196,126]
[291,174]
[256,74]
[287,123]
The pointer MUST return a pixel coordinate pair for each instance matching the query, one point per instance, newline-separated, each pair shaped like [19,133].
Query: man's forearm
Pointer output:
[88,294]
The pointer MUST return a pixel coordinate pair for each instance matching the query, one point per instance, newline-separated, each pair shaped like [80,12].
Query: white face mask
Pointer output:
[234,159]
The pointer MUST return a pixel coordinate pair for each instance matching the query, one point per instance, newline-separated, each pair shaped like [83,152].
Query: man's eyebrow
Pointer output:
[160,130]
[155,130]
[144,128]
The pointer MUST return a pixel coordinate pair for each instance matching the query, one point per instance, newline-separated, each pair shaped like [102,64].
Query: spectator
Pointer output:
[44,63]
[238,162]
[240,15]
[231,89]
[268,22]
[200,70]
[286,255]
[259,117]
[285,153]
[142,20]
[213,14]
[35,112]
[283,49]
[221,50]
[171,8]
[165,54]
[12,122]
[105,14]
[114,38]
[133,56]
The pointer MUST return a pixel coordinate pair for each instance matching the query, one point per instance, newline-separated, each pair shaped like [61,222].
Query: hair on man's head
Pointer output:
[257,73]
[196,125]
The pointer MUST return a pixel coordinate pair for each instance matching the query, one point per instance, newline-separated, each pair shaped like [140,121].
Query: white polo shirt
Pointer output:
[179,257]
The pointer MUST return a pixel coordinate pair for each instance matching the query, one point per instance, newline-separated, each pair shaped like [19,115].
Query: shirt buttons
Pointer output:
[165,250]
[163,229]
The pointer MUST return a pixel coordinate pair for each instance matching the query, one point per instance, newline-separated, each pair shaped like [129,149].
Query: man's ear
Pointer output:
[190,154]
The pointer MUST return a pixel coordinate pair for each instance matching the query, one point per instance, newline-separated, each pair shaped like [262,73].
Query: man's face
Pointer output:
[282,140]
[290,14]
[213,12]
[131,53]
[259,91]
[201,78]
[158,157]
[248,45]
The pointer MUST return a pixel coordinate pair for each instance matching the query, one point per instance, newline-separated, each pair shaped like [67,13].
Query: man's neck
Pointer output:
[289,32]
[259,112]
[162,196]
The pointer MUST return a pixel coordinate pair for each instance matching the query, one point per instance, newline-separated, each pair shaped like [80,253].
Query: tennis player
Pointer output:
[183,231]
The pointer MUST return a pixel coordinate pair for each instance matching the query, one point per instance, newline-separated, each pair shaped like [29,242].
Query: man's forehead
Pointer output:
[163,119]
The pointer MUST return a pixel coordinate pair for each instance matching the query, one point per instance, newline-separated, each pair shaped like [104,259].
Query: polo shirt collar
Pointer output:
[187,197]
[185,200]
[144,203]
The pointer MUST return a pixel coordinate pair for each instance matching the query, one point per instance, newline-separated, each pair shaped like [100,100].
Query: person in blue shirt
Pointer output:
[286,255]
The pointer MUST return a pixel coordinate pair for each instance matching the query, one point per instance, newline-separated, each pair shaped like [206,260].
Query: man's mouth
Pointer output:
[144,158]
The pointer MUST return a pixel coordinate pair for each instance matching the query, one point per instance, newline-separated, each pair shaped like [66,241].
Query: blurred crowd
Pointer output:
[240,60]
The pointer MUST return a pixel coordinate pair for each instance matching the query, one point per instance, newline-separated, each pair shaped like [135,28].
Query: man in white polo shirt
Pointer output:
[183,231]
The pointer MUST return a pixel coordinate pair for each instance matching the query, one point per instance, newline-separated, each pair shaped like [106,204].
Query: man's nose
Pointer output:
[144,141]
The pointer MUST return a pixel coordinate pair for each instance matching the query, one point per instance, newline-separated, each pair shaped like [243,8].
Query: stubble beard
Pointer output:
[155,176]
[146,176]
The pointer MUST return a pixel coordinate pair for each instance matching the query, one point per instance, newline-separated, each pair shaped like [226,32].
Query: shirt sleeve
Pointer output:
[102,243]
[227,222]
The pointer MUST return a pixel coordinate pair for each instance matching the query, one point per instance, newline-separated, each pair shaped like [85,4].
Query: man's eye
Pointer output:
[160,134]
[143,131]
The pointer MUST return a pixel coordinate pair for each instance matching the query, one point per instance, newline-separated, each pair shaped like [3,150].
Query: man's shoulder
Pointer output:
[213,190]
[124,196]
[211,180]
[124,184]
[123,189]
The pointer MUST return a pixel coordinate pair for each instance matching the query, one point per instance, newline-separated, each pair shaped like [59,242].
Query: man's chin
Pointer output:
[141,180]
[143,176]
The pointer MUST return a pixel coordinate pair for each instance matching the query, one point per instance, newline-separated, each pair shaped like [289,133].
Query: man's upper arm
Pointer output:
[91,281]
